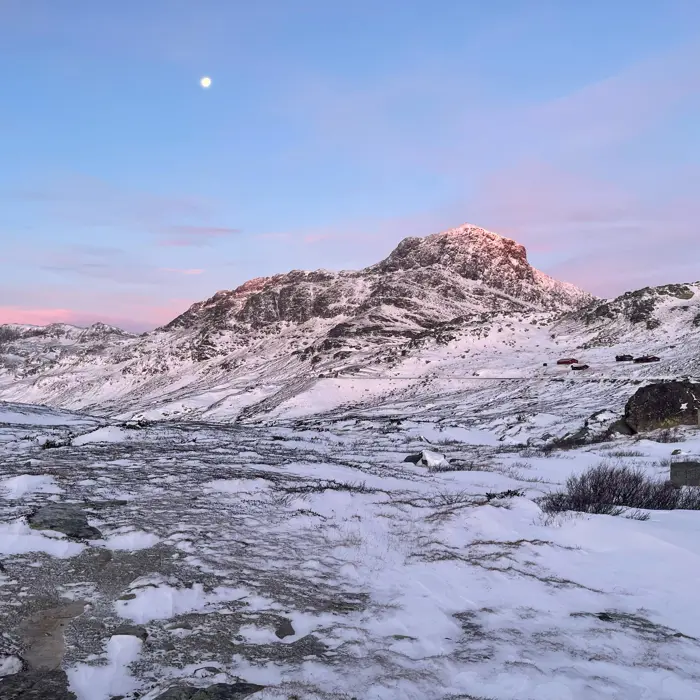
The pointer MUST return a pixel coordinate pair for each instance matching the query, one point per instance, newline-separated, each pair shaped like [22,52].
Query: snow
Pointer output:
[23,484]
[132,540]
[18,538]
[27,414]
[10,665]
[114,678]
[432,459]
[109,433]
[416,582]
[164,601]
[437,433]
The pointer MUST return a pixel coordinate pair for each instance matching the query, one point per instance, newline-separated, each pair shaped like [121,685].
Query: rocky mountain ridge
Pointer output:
[425,278]
[466,290]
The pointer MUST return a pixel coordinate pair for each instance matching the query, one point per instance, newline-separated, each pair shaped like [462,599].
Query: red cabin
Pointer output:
[568,361]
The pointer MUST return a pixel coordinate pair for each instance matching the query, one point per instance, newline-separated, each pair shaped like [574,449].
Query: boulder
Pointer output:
[36,685]
[284,629]
[67,518]
[663,405]
[131,631]
[427,458]
[218,691]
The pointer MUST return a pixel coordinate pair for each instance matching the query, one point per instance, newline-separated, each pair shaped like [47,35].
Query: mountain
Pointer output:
[464,302]
[465,268]
[669,311]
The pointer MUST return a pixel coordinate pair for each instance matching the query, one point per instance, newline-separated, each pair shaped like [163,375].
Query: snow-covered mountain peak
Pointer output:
[466,285]
[458,247]
[476,254]
[429,278]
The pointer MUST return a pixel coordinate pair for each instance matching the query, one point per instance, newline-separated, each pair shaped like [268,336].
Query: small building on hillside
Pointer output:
[567,361]
[623,358]
[646,358]
[579,367]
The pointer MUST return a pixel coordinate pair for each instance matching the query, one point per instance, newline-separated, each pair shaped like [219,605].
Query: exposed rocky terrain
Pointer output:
[288,327]
[454,305]
[326,486]
[318,559]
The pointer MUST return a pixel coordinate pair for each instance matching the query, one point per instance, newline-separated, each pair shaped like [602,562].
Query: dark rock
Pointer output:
[218,691]
[67,518]
[285,629]
[99,505]
[620,427]
[663,405]
[104,556]
[132,631]
[206,671]
[36,685]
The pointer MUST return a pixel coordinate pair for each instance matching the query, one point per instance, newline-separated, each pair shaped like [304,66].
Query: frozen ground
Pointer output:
[307,557]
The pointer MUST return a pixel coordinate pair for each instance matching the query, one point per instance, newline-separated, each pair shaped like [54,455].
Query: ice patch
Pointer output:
[19,538]
[103,682]
[21,485]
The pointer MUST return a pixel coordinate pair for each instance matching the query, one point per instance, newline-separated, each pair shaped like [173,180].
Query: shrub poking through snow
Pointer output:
[329,485]
[611,490]
[511,493]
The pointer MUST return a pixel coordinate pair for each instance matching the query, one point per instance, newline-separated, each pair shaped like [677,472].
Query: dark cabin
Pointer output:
[646,358]
[623,358]
[579,367]
[568,361]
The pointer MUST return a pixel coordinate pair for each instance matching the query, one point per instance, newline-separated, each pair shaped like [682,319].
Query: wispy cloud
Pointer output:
[618,109]
[192,271]
[93,203]
[591,231]
[571,177]
[95,262]
[179,236]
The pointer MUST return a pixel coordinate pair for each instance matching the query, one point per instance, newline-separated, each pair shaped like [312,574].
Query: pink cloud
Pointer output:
[126,314]
[192,271]
[181,236]
[273,236]
[592,232]
[36,317]
[318,238]
[621,107]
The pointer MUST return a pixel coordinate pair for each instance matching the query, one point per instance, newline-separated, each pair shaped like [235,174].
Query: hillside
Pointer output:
[451,307]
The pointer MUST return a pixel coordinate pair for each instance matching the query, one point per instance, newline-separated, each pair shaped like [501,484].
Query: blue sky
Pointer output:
[330,132]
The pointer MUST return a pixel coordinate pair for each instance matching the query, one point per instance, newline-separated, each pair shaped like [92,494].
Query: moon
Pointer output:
[205,82]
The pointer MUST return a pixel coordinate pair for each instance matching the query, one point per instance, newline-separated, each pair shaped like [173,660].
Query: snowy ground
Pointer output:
[308,557]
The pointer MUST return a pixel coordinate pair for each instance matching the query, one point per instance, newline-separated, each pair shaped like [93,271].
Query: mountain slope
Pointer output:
[423,280]
[464,302]
[670,311]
